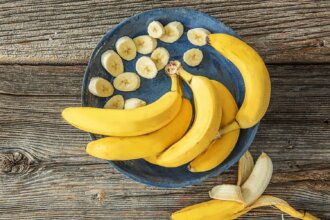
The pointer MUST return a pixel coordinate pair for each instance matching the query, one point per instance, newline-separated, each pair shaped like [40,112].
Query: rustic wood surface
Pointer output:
[44,48]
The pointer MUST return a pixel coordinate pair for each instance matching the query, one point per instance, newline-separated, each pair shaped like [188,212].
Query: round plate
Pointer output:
[213,66]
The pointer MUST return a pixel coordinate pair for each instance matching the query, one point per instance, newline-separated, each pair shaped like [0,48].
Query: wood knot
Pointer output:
[17,163]
[97,195]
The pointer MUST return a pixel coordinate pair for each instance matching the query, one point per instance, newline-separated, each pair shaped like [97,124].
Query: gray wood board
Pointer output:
[45,173]
[65,32]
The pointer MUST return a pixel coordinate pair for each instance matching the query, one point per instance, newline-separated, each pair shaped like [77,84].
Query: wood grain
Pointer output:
[45,173]
[65,32]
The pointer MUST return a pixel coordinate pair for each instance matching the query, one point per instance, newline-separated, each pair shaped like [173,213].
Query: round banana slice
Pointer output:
[146,67]
[160,56]
[112,63]
[115,102]
[198,36]
[156,29]
[145,44]
[127,82]
[100,87]
[125,47]
[173,32]
[134,103]
[193,57]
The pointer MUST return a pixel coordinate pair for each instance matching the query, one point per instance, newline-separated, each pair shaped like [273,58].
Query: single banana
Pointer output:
[127,82]
[129,148]
[116,102]
[254,73]
[145,44]
[156,29]
[198,36]
[112,63]
[173,31]
[193,57]
[160,56]
[100,87]
[131,122]
[221,147]
[146,68]
[210,210]
[259,179]
[126,48]
[134,103]
[206,123]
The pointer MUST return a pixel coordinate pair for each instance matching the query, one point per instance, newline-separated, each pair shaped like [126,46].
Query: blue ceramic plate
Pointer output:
[213,66]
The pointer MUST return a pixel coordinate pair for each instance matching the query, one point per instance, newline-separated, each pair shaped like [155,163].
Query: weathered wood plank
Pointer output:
[45,173]
[66,32]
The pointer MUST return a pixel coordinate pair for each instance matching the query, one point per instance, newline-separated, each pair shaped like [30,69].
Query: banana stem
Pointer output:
[175,83]
[185,75]
[231,127]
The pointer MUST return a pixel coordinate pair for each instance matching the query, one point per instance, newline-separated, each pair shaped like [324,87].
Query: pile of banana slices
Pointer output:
[146,66]
[232,201]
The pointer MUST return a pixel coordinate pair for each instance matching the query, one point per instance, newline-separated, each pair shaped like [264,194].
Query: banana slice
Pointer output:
[160,56]
[112,63]
[173,32]
[126,48]
[198,36]
[127,82]
[193,57]
[146,67]
[145,44]
[100,87]
[156,29]
[134,103]
[116,102]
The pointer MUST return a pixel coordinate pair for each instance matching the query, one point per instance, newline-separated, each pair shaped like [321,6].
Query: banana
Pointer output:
[193,57]
[198,36]
[160,56]
[127,82]
[156,29]
[221,147]
[210,210]
[131,122]
[129,148]
[116,102]
[126,48]
[173,31]
[254,73]
[112,63]
[206,123]
[134,103]
[258,180]
[100,87]
[146,67]
[145,44]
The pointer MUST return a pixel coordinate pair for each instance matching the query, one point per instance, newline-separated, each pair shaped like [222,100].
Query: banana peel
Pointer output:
[229,202]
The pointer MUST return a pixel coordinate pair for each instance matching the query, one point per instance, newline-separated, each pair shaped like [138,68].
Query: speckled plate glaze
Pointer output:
[213,66]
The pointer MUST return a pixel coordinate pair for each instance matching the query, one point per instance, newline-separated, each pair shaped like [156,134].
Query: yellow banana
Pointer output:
[254,73]
[205,126]
[128,148]
[210,210]
[127,122]
[220,148]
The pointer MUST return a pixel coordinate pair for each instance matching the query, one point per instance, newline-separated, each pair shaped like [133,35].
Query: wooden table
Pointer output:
[44,48]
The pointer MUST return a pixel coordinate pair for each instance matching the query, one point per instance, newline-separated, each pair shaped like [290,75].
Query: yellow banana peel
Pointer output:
[230,203]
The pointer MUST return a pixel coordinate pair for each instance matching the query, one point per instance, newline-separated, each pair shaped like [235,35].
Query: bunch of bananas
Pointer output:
[164,133]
